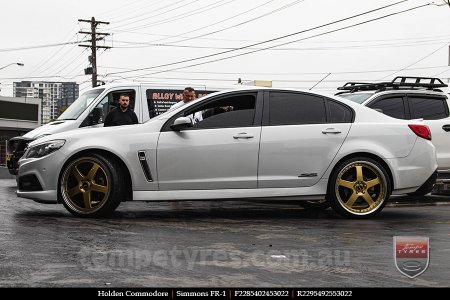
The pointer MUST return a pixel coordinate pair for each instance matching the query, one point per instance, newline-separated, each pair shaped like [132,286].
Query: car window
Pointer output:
[109,101]
[226,112]
[358,98]
[427,108]
[295,109]
[339,113]
[392,106]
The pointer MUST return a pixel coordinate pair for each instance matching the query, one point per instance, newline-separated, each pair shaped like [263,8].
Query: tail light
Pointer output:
[422,131]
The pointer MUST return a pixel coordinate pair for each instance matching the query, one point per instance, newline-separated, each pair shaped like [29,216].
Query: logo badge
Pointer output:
[411,254]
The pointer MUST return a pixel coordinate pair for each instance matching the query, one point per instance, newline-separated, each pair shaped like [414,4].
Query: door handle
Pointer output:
[243,135]
[446,127]
[331,131]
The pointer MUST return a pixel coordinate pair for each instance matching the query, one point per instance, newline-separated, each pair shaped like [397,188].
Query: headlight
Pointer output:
[43,149]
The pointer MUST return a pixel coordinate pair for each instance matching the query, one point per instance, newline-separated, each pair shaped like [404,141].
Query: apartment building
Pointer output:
[53,95]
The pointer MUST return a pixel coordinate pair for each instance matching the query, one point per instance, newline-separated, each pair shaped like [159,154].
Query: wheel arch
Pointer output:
[125,170]
[368,155]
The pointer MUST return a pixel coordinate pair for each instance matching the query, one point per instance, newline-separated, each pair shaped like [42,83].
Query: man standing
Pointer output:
[188,96]
[122,115]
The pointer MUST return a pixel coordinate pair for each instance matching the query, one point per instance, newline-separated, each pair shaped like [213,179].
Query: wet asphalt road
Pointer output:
[215,244]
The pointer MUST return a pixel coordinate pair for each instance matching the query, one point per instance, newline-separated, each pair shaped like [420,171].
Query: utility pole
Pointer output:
[94,38]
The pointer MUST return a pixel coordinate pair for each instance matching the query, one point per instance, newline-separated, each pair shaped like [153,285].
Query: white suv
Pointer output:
[411,98]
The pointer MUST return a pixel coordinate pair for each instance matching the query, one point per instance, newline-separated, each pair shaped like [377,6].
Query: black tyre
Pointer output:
[90,186]
[359,188]
[315,205]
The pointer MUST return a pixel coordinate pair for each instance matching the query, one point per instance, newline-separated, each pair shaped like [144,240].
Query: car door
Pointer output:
[433,109]
[301,135]
[219,152]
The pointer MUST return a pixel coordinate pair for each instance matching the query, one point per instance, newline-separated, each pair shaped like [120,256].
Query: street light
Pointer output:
[16,63]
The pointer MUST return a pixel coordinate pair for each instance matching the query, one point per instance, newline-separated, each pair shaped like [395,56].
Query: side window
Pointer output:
[392,107]
[227,112]
[295,109]
[428,108]
[338,113]
[111,100]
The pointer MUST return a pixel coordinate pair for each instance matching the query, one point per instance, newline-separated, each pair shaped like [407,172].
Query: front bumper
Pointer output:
[46,170]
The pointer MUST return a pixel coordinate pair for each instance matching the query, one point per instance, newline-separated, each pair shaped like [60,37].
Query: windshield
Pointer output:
[77,107]
[358,98]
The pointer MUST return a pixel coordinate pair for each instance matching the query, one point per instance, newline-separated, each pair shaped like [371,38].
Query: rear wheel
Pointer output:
[90,186]
[359,188]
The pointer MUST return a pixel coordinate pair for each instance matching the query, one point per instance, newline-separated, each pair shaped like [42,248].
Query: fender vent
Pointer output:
[144,165]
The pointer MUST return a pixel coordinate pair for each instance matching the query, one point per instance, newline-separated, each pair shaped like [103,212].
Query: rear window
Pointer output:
[296,109]
[392,106]
[428,108]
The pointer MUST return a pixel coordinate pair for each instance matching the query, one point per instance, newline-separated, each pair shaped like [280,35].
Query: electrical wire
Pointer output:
[213,24]
[279,38]
[410,65]
[286,43]
[39,46]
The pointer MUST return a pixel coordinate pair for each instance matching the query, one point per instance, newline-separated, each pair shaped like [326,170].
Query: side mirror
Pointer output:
[95,114]
[93,118]
[181,123]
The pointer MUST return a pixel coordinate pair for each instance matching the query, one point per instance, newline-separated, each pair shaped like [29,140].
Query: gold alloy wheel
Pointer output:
[85,185]
[361,187]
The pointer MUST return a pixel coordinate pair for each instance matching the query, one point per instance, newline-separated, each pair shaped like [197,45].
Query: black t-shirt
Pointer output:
[117,118]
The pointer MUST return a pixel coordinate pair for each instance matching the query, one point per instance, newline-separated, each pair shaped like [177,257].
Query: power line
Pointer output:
[292,74]
[410,65]
[185,14]
[381,45]
[263,42]
[210,25]
[242,23]
[154,13]
[38,46]
[286,43]
[123,8]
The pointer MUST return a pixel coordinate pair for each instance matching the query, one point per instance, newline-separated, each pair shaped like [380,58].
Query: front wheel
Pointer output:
[90,186]
[359,188]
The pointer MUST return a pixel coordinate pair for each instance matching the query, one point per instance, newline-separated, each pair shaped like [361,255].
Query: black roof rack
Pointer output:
[398,82]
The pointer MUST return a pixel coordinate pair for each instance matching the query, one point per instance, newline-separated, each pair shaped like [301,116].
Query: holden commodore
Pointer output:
[252,143]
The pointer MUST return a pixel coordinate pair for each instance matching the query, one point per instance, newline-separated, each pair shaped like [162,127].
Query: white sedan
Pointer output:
[252,143]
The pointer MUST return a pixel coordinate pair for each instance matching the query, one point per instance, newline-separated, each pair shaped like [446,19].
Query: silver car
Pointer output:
[266,144]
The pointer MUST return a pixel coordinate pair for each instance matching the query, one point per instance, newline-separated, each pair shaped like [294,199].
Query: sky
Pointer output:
[293,43]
